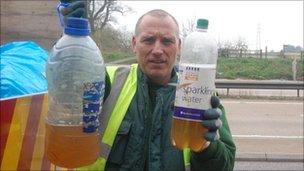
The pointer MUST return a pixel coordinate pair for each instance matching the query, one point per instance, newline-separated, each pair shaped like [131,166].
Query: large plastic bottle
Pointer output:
[195,86]
[75,74]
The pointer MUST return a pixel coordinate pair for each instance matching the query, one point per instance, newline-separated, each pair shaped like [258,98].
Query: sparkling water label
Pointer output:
[194,90]
[92,99]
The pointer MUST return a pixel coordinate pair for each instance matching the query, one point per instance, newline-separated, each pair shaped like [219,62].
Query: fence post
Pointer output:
[241,53]
[261,53]
[265,51]
[294,69]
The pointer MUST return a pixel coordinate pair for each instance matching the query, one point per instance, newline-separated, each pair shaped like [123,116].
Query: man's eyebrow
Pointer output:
[169,37]
[147,36]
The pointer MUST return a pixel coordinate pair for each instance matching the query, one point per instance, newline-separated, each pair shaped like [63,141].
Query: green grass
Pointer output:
[114,56]
[258,69]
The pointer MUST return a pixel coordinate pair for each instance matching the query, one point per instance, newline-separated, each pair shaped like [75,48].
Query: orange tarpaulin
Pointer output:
[22,133]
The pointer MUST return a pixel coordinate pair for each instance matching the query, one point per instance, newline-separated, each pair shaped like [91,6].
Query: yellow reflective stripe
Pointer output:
[111,72]
[186,153]
[121,106]
[16,133]
[39,143]
[100,164]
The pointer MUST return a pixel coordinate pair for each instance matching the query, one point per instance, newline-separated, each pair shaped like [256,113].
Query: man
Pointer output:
[142,139]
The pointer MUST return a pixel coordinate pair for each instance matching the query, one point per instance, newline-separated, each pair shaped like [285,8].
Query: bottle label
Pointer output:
[92,99]
[193,92]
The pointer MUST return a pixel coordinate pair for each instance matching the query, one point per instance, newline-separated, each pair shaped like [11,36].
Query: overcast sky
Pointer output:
[281,22]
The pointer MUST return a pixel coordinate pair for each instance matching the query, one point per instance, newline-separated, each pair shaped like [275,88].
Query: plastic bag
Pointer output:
[22,69]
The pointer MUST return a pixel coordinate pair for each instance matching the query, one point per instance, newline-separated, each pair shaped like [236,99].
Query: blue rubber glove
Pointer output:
[71,8]
[211,120]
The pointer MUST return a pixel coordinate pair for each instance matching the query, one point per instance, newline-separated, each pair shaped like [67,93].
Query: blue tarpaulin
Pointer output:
[22,69]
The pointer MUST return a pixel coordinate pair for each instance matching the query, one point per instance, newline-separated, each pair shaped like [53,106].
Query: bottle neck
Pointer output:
[73,35]
[201,29]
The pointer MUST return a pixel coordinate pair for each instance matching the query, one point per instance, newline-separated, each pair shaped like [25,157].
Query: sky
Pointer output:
[276,22]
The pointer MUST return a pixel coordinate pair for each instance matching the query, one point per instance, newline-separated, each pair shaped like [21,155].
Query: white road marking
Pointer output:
[268,136]
[263,102]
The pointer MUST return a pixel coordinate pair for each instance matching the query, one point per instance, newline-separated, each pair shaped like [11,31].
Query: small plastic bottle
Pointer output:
[75,74]
[196,84]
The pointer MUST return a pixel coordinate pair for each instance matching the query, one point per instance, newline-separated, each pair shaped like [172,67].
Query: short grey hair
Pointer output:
[156,13]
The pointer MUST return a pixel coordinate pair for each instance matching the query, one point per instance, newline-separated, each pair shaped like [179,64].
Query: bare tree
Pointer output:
[241,44]
[125,37]
[225,45]
[100,12]
[111,39]
[227,48]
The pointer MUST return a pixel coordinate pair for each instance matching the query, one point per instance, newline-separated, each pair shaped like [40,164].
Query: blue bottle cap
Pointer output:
[77,26]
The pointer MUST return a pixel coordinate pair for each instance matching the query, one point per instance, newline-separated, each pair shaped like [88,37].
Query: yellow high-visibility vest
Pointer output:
[126,92]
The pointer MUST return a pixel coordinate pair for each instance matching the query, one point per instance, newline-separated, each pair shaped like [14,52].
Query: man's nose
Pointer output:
[157,48]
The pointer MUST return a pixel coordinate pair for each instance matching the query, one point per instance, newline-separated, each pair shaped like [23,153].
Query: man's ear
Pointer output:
[179,46]
[134,44]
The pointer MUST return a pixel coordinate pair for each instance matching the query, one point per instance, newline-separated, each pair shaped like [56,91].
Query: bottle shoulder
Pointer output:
[76,41]
[200,36]
[73,47]
[199,48]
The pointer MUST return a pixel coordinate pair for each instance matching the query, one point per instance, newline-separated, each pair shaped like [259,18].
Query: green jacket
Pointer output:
[143,139]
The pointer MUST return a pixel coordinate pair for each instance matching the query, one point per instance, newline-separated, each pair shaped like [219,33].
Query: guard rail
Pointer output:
[256,84]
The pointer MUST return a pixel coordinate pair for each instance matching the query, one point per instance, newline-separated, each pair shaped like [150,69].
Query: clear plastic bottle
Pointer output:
[197,69]
[75,74]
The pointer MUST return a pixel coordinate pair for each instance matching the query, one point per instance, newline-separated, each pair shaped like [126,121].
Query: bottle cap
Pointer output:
[202,23]
[77,26]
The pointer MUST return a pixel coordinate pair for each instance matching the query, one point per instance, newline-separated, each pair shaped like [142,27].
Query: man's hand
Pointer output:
[211,120]
[71,8]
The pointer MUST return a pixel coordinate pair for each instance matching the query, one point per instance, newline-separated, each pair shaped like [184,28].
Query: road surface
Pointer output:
[264,126]
[268,134]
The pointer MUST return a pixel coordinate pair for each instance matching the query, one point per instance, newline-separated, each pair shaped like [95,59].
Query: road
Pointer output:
[271,124]
[266,130]
[297,166]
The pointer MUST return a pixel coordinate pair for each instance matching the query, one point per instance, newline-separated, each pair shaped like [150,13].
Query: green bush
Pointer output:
[300,70]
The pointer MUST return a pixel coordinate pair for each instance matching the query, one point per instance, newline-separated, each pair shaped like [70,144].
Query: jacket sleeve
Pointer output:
[220,155]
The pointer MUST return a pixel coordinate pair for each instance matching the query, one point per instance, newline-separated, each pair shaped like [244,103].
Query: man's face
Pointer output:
[156,47]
